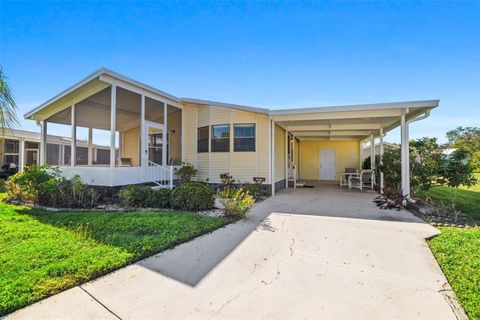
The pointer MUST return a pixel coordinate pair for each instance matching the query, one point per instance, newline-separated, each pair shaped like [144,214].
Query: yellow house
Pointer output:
[151,132]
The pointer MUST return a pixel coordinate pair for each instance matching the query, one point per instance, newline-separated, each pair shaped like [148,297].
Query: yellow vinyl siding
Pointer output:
[189,134]
[279,154]
[243,166]
[262,156]
[347,155]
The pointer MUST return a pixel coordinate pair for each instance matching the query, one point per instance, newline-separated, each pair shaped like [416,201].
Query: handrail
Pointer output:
[160,175]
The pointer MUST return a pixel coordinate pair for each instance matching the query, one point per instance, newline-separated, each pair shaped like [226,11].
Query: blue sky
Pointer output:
[265,54]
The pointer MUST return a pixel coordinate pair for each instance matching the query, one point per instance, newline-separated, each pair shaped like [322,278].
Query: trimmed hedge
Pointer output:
[194,196]
[140,196]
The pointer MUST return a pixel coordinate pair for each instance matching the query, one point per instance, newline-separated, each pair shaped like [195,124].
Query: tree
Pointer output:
[8,107]
[429,166]
[468,140]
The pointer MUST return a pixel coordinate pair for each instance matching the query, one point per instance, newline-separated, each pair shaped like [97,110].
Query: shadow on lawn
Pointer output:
[149,236]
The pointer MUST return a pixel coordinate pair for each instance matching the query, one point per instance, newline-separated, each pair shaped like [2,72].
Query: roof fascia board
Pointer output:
[360,107]
[382,113]
[89,78]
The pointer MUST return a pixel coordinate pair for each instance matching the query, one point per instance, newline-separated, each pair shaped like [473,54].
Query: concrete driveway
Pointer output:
[304,254]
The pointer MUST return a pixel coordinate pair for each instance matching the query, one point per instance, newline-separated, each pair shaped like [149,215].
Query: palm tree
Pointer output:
[8,107]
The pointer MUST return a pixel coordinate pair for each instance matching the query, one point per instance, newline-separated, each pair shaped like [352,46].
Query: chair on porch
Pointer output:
[365,180]
[345,176]
[126,162]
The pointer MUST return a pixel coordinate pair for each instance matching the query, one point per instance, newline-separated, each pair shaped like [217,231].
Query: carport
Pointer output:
[357,124]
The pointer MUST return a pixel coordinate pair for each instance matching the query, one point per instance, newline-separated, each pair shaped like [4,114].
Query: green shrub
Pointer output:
[192,196]
[186,172]
[135,196]
[141,196]
[36,185]
[236,203]
[254,190]
[3,188]
[43,185]
[159,198]
[73,193]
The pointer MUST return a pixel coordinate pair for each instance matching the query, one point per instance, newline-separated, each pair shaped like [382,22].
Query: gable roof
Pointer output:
[95,82]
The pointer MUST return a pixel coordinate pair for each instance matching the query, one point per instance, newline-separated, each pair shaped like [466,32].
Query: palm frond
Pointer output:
[8,107]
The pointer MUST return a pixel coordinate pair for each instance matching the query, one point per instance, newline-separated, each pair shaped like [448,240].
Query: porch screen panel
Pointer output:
[154,110]
[103,157]
[128,119]
[53,154]
[174,124]
[81,155]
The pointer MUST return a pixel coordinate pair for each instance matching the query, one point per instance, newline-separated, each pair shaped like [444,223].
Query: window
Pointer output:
[221,138]
[11,146]
[10,158]
[244,137]
[31,145]
[202,138]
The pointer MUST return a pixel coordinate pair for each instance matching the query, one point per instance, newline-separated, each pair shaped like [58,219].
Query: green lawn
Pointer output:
[458,253]
[43,253]
[467,200]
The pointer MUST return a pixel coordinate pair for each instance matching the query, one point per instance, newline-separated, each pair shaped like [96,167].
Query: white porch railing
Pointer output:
[162,176]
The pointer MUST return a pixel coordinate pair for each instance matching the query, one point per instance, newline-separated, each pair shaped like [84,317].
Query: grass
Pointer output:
[466,199]
[43,253]
[458,253]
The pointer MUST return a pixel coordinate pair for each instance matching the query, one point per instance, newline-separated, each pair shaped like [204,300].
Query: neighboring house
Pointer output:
[386,145]
[156,131]
[23,149]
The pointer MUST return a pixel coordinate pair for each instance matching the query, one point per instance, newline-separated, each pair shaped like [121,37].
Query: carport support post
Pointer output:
[372,152]
[272,177]
[405,155]
[112,124]
[381,159]
[286,159]
[143,153]
[43,142]
[73,142]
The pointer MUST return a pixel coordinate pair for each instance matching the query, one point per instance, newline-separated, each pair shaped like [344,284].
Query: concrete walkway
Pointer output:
[304,254]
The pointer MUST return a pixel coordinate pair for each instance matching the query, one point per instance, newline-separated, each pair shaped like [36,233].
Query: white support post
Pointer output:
[405,165]
[113,105]
[286,159]
[272,178]
[381,159]
[372,152]
[299,164]
[21,155]
[143,133]
[164,136]
[171,178]
[73,142]
[90,146]
[294,164]
[43,142]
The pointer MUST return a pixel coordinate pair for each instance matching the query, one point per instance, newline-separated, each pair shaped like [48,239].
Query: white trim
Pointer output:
[286,159]
[272,163]
[143,148]
[73,142]
[113,118]
[361,107]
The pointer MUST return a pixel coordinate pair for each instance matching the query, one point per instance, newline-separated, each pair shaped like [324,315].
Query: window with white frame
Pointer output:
[220,138]
[244,137]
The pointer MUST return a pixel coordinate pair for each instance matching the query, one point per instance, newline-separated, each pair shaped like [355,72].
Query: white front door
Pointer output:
[156,142]
[327,164]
